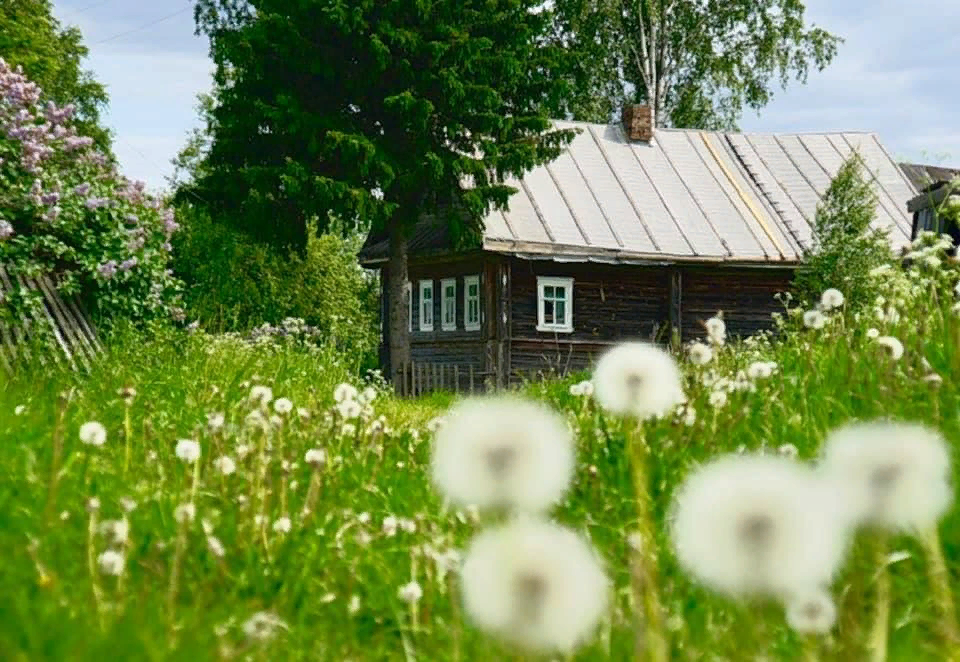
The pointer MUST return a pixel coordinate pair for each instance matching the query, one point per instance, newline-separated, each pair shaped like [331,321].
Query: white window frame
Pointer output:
[426,324]
[467,282]
[444,301]
[566,326]
[408,291]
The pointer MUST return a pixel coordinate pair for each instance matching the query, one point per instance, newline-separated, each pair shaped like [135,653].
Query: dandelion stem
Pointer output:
[940,582]
[181,546]
[644,565]
[57,455]
[128,438]
[877,644]
[455,618]
[811,648]
[92,565]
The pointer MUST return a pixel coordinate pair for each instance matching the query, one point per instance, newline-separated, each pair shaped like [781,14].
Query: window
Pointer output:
[426,305]
[555,304]
[471,303]
[448,304]
[408,292]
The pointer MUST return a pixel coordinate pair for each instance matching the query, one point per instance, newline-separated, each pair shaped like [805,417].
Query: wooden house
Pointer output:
[630,233]
[934,184]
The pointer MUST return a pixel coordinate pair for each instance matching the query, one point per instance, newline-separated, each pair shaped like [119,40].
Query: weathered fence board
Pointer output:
[421,377]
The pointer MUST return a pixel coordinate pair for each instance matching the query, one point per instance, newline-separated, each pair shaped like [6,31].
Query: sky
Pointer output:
[897,73]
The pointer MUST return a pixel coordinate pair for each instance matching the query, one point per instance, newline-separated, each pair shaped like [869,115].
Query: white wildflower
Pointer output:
[344,392]
[19,409]
[893,346]
[873,333]
[188,450]
[215,421]
[349,409]
[757,524]
[831,298]
[717,398]
[282,525]
[761,369]
[315,457]
[185,512]
[700,354]
[893,474]
[225,465]
[534,583]
[814,319]
[410,592]
[716,330]
[282,406]
[111,562]
[93,433]
[503,451]
[638,379]
[390,524]
[811,612]
[262,395]
[262,626]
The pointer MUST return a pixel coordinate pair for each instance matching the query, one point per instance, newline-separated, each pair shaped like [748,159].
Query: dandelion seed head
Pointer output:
[892,345]
[638,379]
[116,531]
[225,465]
[761,369]
[349,409]
[716,330]
[188,450]
[873,333]
[185,513]
[831,298]
[503,451]
[814,319]
[344,392]
[893,474]
[700,354]
[93,433]
[282,406]
[811,612]
[263,626]
[283,525]
[315,457]
[215,421]
[111,562]
[757,524]
[534,583]
[410,592]
[215,546]
[261,395]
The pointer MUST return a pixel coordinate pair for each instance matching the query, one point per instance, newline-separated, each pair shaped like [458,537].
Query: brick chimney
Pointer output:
[638,122]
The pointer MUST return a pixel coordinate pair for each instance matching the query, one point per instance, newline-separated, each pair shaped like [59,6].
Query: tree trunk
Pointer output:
[398,304]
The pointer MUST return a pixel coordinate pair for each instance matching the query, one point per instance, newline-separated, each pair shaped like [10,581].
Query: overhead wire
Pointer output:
[144,26]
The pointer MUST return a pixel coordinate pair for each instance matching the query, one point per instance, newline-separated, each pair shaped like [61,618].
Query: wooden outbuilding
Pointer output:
[629,233]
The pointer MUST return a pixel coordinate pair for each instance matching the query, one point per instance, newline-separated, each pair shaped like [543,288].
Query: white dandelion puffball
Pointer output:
[761,369]
[534,583]
[892,345]
[188,450]
[757,524]
[811,612]
[282,406]
[501,451]
[111,562]
[700,354]
[93,433]
[814,319]
[262,395]
[639,379]
[893,474]
[344,392]
[225,465]
[716,331]
[831,298]
[873,333]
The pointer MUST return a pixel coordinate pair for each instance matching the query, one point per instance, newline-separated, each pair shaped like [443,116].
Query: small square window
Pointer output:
[554,304]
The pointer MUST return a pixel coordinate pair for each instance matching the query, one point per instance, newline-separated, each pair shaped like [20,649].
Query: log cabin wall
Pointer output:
[616,302]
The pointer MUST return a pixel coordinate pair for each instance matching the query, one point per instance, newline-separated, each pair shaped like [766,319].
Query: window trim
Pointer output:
[444,284]
[408,291]
[555,281]
[467,282]
[424,285]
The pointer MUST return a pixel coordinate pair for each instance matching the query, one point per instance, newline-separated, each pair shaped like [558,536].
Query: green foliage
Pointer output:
[846,246]
[320,103]
[236,284]
[52,56]
[57,604]
[698,64]
[65,212]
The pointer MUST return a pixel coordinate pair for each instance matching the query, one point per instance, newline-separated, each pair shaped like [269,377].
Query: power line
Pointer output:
[92,5]
[144,26]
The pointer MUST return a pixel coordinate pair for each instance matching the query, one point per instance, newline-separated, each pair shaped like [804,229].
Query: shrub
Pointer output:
[65,212]
[236,284]
[846,247]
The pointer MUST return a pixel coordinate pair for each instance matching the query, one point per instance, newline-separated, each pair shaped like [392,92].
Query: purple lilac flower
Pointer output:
[136,244]
[51,198]
[6,230]
[108,269]
[129,264]
[77,142]
[95,203]
[82,189]
[168,247]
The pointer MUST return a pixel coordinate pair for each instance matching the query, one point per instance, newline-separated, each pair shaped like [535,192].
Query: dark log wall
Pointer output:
[745,295]
[611,302]
[614,302]
[457,346]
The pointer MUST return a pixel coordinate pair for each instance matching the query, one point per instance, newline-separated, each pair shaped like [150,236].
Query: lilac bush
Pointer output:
[67,213]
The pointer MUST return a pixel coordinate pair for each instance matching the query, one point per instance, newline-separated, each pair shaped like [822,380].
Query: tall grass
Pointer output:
[329,587]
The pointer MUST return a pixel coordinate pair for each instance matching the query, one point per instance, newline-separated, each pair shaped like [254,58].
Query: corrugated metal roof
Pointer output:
[690,195]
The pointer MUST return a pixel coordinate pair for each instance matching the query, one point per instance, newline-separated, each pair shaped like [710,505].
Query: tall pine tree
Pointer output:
[376,112]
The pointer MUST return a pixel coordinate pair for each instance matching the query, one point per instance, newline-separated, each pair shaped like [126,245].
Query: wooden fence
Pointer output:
[419,378]
[75,338]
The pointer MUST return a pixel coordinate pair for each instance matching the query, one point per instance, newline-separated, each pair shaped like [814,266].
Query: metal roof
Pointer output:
[922,176]
[689,195]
